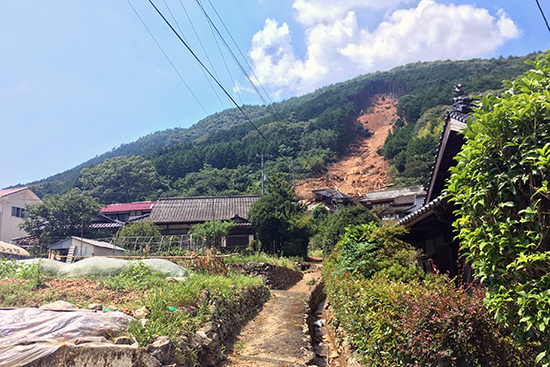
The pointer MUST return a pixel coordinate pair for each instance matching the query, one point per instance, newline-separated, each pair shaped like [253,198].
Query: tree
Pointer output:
[281,225]
[210,233]
[145,229]
[120,179]
[60,216]
[501,183]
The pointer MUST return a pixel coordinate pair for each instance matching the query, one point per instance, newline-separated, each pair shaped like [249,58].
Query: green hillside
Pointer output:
[219,154]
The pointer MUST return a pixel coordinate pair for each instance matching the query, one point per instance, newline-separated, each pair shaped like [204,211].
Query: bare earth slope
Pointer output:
[360,169]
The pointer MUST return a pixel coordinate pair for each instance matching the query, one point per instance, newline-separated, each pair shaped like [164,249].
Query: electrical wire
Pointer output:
[241,53]
[218,83]
[167,58]
[201,44]
[543,16]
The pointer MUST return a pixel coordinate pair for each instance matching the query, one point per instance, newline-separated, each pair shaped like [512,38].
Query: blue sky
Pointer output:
[78,78]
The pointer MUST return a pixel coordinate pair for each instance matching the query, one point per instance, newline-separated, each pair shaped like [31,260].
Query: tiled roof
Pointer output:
[426,208]
[106,225]
[331,192]
[7,192]
[393,193]
[201,209]
[126,207]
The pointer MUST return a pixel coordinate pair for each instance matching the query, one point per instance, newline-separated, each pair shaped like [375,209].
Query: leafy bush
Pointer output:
[501,183]
[368,249]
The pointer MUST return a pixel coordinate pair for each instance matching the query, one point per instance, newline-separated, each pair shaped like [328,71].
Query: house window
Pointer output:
[17,212]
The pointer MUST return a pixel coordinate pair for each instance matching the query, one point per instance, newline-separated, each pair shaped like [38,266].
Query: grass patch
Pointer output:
[164,320]
[262,257]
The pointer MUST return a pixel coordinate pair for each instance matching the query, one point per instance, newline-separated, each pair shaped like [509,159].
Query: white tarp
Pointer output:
[27,334]
[105,266]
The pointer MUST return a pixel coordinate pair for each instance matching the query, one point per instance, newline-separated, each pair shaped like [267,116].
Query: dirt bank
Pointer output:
[360,169]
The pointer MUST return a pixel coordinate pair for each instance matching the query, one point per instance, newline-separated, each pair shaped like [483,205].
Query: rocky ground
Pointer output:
[277,336]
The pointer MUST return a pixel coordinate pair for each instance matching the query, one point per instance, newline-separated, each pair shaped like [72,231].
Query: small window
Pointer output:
[17,212]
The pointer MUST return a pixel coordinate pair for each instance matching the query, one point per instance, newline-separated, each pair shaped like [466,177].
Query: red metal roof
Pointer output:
[7,192]
[114,208]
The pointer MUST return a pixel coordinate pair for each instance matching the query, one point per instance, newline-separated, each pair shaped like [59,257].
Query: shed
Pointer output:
[75,247]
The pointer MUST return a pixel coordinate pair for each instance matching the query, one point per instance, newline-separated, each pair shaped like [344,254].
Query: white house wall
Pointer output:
[9,224]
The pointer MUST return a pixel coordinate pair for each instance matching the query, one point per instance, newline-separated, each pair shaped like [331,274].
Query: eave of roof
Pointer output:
[8,192]
[125,207]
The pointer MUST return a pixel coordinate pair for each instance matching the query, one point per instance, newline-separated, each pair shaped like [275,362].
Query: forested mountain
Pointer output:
[219,154]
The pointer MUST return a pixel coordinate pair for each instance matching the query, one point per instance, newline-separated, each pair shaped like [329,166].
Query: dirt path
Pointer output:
[360,169]
[278,335]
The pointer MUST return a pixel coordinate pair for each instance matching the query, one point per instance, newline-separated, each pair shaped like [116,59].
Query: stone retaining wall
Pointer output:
[274,276]
[202,347]
[339,341]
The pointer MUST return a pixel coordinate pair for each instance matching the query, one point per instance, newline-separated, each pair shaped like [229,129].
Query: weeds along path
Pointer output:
[277,336]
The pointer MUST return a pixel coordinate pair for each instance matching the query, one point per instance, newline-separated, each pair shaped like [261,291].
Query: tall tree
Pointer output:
[60,216]
[121,179]
[281,225]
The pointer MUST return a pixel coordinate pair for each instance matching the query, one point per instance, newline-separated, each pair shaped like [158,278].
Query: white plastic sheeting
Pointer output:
[27,334]
[105,266]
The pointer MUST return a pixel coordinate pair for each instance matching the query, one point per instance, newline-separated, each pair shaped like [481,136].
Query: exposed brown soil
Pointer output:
[360,169]
[76,291]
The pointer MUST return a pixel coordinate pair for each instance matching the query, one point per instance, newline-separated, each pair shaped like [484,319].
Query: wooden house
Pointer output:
[175,216]
[430,227]
[394,204]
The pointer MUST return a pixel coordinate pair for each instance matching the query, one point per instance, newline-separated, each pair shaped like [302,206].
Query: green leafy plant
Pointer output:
[501,183]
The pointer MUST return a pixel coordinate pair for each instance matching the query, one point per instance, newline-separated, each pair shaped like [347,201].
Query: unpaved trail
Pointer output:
[361,169]
[278,335]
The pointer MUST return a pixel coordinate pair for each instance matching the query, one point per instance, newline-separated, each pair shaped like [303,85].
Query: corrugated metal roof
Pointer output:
[7,192]
[201,209]
[61,244]
[126,207]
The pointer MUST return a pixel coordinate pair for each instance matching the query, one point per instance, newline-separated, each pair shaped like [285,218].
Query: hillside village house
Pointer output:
[175,216]
[394,203]
[12,211]
[112,217]
[430,227]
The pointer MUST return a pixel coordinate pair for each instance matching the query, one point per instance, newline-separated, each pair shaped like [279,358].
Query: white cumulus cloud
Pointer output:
[338,47]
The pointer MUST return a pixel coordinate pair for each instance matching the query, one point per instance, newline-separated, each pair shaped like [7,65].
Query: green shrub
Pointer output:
[501,183]
[394,318]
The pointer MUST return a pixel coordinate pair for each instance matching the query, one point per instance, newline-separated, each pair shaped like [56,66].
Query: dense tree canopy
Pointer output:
[60,216]
[121,179]
[501,183]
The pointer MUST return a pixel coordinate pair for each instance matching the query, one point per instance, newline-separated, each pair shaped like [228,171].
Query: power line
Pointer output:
[543,16]
[167,58]
[241,53]
[217,81]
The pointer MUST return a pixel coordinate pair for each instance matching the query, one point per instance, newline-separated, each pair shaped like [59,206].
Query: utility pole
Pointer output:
[262,157]
[293,182]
